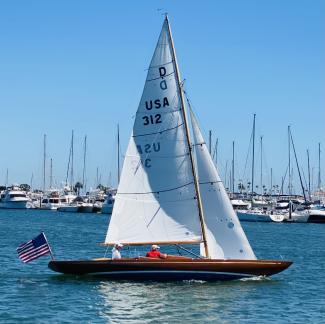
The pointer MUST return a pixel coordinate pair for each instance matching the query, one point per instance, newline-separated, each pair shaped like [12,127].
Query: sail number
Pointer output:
[157,103]
[151,119]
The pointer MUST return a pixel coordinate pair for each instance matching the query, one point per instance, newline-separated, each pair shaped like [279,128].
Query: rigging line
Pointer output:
[161,77]
[189,251]
[159,132]
[283,180]
[160,110]
[303,173]
[155,66]
[153,217]
[210,182]
[144,201]
[247,155]
[157,192]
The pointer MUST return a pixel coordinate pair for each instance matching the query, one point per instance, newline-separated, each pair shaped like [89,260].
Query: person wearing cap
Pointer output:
[116,254]
[155,253]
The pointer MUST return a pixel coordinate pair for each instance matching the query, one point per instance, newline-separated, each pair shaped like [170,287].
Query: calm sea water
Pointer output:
[31,293]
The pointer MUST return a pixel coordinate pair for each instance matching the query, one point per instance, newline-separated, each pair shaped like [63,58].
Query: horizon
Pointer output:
[79,67]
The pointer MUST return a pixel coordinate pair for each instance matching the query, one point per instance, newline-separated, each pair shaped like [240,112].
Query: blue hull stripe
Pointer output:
[171,275]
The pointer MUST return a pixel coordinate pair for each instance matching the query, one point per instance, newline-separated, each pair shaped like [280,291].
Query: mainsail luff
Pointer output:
[197,189]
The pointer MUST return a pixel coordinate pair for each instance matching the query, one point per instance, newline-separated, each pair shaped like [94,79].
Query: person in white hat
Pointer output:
[116,254]
[155,253]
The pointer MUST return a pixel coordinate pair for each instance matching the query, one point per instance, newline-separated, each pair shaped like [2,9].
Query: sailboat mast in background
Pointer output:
[84,164]
[253,157]
[118,154]
[44,161]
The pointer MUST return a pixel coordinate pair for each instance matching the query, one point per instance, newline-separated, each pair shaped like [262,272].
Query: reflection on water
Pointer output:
[154,301]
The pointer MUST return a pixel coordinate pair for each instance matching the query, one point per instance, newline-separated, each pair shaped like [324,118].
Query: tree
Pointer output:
[77,187]
[25,187]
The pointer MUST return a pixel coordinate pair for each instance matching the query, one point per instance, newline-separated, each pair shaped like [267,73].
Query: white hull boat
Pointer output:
[14,198]
[254,216]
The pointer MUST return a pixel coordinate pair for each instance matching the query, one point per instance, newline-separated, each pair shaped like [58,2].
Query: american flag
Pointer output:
[33,249]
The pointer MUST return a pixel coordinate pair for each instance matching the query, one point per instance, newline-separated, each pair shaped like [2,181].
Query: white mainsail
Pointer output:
[156,199]
[225,236]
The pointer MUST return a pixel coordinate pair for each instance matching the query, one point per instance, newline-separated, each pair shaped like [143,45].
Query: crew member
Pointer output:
[155,253]
[116,254]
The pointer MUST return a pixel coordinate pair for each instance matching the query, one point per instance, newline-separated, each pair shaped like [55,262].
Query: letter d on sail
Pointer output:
[162,73]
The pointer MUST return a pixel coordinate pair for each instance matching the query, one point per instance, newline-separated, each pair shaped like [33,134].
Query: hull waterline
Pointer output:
[177,268]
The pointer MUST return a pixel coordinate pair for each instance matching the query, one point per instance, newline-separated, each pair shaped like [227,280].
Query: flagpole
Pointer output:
[51,253]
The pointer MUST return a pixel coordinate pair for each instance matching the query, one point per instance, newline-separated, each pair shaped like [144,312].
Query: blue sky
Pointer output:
[82,64]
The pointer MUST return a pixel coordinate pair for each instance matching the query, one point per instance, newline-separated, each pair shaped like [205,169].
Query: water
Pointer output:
[31,293]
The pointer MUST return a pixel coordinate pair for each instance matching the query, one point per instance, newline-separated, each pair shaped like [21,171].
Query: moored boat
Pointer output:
[14,198]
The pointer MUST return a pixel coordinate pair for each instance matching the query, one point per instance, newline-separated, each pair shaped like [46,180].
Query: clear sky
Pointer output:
[81,65]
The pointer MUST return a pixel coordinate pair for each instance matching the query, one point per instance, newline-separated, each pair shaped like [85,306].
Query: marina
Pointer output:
[162,163]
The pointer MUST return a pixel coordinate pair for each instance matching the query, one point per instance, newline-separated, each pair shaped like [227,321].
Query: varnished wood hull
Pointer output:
[172,268]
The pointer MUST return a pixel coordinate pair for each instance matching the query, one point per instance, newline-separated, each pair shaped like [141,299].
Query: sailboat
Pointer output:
[170,193]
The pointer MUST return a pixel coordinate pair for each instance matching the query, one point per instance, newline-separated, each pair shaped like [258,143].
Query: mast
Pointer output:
[308,175]
[271,181]
[31,181]
[71,161]
[44,161]
[233,167]
[319,179]
[84,164]
[68,168]
[289,149]
[51,174]
[294,150]
[210,141]
[253,158]
[118,153]
[7,177]
[261,178]
[187,131]
[216,151]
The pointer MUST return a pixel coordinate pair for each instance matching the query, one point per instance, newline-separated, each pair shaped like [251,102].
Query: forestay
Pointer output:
[225,236]
[156,200]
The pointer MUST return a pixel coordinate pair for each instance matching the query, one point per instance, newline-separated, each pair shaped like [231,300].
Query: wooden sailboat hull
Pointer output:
[170,269]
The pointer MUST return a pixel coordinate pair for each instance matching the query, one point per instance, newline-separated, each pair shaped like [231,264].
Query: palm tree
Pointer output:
[77,187]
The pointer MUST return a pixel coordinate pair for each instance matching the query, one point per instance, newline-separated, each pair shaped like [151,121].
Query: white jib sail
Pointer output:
[156,201]
[225,236]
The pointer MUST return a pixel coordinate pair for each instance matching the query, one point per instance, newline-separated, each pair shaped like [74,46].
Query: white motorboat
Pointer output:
[78,205]
[255,215]
[14,198]
[239,204]
[54,199]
